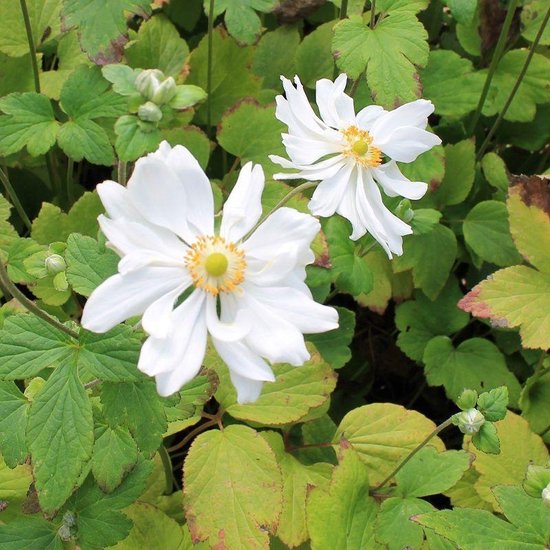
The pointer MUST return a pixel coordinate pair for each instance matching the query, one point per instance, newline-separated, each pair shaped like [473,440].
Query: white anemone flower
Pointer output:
[354,156]
[188,279]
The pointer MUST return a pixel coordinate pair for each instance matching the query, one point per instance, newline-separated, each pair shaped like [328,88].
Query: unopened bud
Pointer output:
[55,264]
[470,421]
[149,112]
[69,518]
[404,211]
[165,92]
[546,495]
[467,399]
[64,533]
[148,82]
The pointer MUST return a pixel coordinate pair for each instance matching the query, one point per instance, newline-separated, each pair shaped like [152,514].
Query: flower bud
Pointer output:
[470,421]
[467,399]
[148,82]
[165,92]
[55,264]
[404,211]
[546,495]
[64,533]
[149,112]
[69,518]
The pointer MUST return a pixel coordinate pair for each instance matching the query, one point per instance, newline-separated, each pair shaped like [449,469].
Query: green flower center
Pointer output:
[216,264]
[360,147]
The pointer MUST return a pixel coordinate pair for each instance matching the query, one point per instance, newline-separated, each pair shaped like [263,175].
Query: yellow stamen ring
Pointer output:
[215,265]
[359,145]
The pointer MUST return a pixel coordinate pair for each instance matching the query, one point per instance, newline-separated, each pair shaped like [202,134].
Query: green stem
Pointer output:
[497,122]
[282,202]
[10,289]
[494,61]
[69,182]
[10,191]
[121,172]
[439,429]
[372,13]
[167,465]
[32,47]
[344,9]
[209,66]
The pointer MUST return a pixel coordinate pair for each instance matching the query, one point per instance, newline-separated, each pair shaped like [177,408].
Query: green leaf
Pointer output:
[137,406]
[431,257]
[475,364]
[334,344]
[60,436]
[31,534]
[314,59]
[194,139]
[88,263]
[18,252]
[532,90]
[519,447]
[532,17]
[535,401]
[351,271]
[52,225]
[8,235]
[241,19]
[102,25]
[252,142]
[493,404]
[445,73]
[464,493]
[383,434]
[132,140]
[487,232]
[428,167]
[85,139]
[459,174]
[430,472]
[298,481]
[237,467]
[122,77]
[495,171]
[463,11]
[115,453]
[158,46]
[379,265]
[29,345]
[343,515]
[293,394]
[44,22]
[14,487]
[13,424]
[389,52]
[231,77]
[394,526]
[486,439]
[29,122]
[186,96]
[152,530]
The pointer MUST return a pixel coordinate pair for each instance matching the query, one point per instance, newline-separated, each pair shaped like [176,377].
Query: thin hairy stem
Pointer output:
[209,66]
[167,466]
[32,47]
[11,290]
[497,122]
[372,13]
[12,195]
[121,172]
[69,185]
[494,61]
[439,429]
[344,9]
[192,434]
[282,202]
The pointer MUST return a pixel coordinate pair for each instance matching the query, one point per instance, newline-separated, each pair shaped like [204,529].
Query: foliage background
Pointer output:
[93,458]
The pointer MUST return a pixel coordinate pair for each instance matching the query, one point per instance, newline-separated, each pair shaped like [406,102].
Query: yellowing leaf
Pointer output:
[383,434]
[519,447]
[232,489]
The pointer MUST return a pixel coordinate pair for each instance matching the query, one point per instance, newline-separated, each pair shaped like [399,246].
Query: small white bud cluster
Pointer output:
[470,421]
[154,86]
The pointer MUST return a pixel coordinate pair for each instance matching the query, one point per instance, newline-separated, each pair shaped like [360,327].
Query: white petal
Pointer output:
[200,200]
[407,143]
[318,171]
[116,201]
[368,116]
[329,192]
[160,197]
[396,184]
[413,114]
[244,362]
[248,390]
[307,151]
[336,107]
[243,207]
[225,331]
[123,296]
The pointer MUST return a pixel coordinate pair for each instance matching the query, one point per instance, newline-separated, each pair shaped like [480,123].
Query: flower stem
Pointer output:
[32,46]
[191,435]
[282,202]
[167,465]
[372,13]
[10,191]
[494,61]
[121,172]
[521,75]
[344,9]
[69,182]
[437,430]
[209,67]
[10,289]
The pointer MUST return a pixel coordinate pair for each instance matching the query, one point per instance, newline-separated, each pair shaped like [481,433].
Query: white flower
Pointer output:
[162,226]
[345,152]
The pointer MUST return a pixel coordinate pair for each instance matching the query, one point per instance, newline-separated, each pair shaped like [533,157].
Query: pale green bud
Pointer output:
[149,112]
[165,92]
[55,264]
[470,421]
[69,518]
[404,211]
[148,82]
[64,533]
[546,495]
[467,399]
